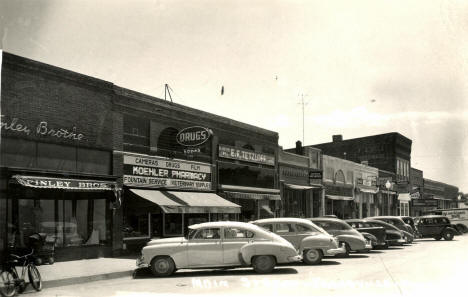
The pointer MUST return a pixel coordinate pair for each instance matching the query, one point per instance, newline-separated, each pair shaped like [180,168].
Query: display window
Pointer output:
[68,219]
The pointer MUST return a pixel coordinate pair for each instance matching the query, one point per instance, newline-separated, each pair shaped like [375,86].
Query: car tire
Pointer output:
[385,246]
[448,234]
[263,264]
[312,256]
[438,238]
[162,266]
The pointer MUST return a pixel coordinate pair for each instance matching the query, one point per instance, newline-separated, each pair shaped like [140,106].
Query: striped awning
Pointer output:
[188,202]
[45,182]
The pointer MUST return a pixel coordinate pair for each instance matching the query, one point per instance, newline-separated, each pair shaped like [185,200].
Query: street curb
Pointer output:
[84,279]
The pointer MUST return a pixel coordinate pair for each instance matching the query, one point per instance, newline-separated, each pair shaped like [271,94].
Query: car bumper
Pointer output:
[140,263]
[297,258]
[368,246]
[401,240]
[333,252]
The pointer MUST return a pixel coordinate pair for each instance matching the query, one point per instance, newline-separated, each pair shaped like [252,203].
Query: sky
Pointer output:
[360,67]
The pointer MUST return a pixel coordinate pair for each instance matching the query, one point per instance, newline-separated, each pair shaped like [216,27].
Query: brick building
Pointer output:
[390,152]
[100,168]
[56,172]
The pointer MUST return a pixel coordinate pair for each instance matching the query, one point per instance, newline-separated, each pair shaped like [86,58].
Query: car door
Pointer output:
[428,227]
[288,232]
[234,239]
[205,248]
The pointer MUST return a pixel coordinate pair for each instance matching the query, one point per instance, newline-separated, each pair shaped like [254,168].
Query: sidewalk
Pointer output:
[82,271]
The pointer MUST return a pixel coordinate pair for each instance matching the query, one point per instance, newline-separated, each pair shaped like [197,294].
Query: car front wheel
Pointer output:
[448,234]
[312,256]
[162,266]
[263,264]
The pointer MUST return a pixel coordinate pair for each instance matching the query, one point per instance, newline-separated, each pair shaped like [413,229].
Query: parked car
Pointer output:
[410,221]
[365,228]
[311,241]
[399,223]
[394,236]
[218,244]
[435,226]
[351,238]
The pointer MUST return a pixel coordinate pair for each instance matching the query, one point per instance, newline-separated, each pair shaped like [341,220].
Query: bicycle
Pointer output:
[11,283]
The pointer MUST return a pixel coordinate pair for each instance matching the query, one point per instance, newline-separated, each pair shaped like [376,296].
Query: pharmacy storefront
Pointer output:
[163,196]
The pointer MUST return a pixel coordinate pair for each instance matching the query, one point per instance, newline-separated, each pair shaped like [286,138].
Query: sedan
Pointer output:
[399,223]
[311,241]
[216,245]
[364,227]
[394,236]
[351,238]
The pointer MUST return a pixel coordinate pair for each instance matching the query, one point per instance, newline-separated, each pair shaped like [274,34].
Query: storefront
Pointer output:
[404,201]
[164,196]
[296,192]
[366,198]
[340,201]
[248,178]
[75,213]
[56,161]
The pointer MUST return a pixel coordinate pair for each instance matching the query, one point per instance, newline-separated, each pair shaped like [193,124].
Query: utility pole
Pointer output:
[303,123]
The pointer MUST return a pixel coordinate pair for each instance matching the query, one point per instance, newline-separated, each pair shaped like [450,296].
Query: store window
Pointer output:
[74,221]
[173,224]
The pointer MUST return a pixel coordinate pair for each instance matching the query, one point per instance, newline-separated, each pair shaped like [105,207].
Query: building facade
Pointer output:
[101,169]
[57,171]
[349,188]
[390,152]
[300,183]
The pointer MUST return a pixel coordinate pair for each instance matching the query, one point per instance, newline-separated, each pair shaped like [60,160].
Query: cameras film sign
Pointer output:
[158,172]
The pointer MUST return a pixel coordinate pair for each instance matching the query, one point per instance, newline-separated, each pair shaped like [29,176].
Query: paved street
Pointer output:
[427,267]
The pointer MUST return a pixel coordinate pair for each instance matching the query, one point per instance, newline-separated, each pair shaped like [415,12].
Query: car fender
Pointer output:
[275,249]
[355,243]
[320,241]
[178,253]
[452,228]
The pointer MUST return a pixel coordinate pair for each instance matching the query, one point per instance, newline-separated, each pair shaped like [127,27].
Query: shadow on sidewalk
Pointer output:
[145,273]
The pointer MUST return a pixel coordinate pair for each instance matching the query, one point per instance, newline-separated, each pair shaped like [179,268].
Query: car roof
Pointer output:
[386,217]
[278,220]
[224,224]
[431,216]
[379,222]
[325,219]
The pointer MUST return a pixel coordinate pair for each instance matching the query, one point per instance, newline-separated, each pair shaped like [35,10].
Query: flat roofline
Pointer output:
[183,108]
[363,137]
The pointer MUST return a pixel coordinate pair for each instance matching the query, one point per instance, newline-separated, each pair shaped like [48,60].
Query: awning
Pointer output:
[253,196]
[404,197]
[188,202]
[334,197]
[368,190]
[300,187]
[45,182]
[267,209]
[234,188]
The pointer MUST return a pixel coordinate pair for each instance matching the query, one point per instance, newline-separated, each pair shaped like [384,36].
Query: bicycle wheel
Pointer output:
[7,283]
[34,277]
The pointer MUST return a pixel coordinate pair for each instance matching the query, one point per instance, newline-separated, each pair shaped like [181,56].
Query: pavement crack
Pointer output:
[391,276]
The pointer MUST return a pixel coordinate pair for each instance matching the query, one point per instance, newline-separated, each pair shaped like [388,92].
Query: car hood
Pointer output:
[166,240]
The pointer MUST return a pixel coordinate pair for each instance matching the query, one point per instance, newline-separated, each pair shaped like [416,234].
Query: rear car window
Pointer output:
[232,233]
[284,228]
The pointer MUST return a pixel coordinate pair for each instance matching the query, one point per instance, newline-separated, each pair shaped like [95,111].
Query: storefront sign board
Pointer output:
[158,172]
[230,152]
